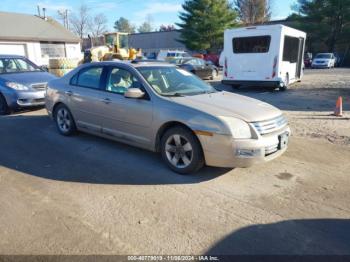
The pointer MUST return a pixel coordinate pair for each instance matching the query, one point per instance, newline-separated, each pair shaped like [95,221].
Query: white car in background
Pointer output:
[324,60]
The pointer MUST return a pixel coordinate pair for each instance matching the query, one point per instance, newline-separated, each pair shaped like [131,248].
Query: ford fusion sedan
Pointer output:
[22,83]
[163,108]
[324,60]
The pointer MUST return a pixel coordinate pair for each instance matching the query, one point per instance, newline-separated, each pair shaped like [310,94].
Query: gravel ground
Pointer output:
[87,195]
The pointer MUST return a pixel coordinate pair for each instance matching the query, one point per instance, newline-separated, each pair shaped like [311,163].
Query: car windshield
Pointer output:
[173,81]
[16,65]
[327,56]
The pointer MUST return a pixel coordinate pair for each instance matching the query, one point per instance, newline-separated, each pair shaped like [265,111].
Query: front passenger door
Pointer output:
[126,119]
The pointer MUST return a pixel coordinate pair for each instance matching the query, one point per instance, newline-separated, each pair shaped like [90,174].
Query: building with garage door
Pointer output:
[36,37]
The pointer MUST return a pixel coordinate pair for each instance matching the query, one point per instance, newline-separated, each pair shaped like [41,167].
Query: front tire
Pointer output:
[181,151]
[4,109]
[64,121]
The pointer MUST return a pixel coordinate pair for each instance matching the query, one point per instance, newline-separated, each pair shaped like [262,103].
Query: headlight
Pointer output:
[17,86]
[239,129]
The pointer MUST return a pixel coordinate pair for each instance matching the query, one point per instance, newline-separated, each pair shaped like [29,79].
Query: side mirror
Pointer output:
[135,93]
[44,68]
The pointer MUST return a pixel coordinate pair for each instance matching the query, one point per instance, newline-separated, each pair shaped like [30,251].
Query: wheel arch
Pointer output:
[168,125]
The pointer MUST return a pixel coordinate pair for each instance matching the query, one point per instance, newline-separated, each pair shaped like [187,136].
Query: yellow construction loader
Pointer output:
[116,47]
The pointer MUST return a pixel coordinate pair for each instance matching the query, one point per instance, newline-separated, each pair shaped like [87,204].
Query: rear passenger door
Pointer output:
[86,98]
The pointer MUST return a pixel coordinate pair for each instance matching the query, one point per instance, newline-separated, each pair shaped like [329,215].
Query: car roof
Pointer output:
[135,63]
[11,56]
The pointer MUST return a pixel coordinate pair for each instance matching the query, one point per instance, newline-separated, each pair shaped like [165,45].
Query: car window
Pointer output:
[191,62]
[90,77]
[17,65]
[200,62]
[120,80]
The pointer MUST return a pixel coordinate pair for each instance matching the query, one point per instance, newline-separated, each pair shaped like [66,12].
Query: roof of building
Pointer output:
[24,27]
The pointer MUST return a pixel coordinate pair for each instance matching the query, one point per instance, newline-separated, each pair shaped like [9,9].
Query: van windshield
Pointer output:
[172,81]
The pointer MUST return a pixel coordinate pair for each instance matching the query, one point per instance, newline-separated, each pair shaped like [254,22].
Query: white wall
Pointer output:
[73,50]
[32,51]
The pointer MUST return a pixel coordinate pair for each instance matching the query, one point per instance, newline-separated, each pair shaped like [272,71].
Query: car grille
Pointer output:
[270,126]
[39,86]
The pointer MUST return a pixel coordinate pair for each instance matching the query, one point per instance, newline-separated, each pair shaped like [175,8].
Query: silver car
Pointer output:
[162,108]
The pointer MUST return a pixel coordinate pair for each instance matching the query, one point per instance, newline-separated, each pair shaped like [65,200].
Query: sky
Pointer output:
[161,11]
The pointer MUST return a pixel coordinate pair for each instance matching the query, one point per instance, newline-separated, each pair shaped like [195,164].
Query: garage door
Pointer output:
[12,49]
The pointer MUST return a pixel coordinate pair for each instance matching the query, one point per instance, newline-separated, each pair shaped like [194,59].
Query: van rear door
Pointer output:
[252,57]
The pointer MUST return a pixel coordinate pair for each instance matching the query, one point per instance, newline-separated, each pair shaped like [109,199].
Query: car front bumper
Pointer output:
[224,151]
[25,99]
[320,66]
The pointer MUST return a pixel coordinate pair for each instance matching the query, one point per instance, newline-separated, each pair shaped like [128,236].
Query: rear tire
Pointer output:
[285,84]
[4,109]
[182,151]
[64,121]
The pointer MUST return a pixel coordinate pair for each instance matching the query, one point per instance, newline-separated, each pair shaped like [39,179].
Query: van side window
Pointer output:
[253,44]
[291,49]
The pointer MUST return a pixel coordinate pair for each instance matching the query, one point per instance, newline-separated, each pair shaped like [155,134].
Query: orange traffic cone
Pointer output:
[339,107]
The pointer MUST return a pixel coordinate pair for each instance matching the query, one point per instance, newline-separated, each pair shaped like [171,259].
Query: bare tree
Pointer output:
[98,25]
[253,11]
[80,21]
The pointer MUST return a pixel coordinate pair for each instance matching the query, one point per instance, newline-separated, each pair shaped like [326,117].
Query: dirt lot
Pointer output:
[86,195]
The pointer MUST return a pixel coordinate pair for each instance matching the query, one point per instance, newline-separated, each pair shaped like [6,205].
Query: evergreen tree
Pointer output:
[123,25]
[325,21]
[203,23]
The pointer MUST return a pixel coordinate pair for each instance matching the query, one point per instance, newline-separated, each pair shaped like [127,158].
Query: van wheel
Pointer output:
[64,121]
[285,84]
[4,109]
[181,151]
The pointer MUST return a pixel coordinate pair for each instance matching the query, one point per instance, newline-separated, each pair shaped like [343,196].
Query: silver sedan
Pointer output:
[160,107]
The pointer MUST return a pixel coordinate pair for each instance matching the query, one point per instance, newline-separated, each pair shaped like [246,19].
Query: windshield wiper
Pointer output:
[174,94]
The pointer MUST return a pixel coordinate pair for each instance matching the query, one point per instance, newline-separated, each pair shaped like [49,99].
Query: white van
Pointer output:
[166,55]
[267,55]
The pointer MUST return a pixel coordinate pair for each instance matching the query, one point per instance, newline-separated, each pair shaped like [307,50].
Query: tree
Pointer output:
[203,23]
[98,25]
[123,25]
[253,11]
[325,21]
[80,21]
[166,28]
[146,26]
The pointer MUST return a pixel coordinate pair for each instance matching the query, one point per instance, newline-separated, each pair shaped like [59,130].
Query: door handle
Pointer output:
[68,93]
[106,101]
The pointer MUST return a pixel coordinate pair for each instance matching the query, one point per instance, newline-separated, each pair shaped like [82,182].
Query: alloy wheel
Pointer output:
[63,120]
[179,151]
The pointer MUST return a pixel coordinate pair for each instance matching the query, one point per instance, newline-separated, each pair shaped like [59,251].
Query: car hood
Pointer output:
[28,78]
[232,105]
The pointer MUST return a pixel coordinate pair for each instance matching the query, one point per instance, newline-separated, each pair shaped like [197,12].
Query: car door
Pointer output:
[86,98]
[208,67]
[126,119]
[201,68]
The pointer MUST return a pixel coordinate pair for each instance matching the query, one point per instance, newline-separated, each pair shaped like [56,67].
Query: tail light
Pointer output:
[274,69]
[225,67]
